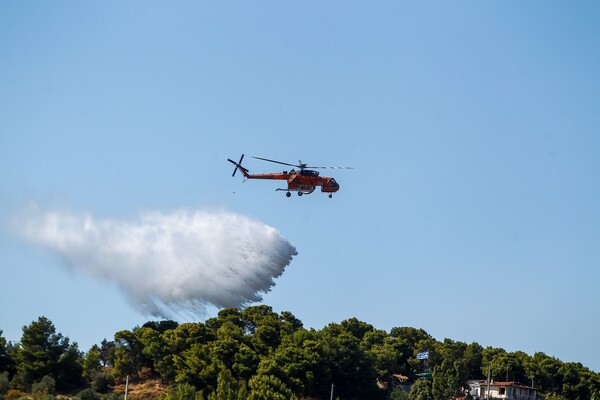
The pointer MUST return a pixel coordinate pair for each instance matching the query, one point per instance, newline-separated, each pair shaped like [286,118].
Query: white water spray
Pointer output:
[173,263]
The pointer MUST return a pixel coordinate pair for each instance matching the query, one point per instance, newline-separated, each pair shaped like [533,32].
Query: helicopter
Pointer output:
[303,181]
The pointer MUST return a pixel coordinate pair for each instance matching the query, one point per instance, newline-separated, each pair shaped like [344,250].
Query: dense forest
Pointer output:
[257,353]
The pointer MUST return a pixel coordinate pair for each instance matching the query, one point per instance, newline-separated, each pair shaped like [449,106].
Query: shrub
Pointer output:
[182,391]
[398,394]
[14,394]
[4,382]
[102,382]
[87,394]
[111,396]
[46,385]
[19,382]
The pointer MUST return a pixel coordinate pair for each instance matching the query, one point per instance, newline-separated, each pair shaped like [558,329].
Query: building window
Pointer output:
[502,391]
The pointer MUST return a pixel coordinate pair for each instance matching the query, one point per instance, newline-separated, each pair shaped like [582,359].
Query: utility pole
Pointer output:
[488,381]
[331,397]
[533,387]
[126,386]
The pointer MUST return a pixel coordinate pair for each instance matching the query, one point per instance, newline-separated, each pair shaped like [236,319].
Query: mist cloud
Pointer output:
[170,263]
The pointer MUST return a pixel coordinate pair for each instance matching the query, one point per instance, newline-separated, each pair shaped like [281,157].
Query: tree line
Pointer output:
[256,353]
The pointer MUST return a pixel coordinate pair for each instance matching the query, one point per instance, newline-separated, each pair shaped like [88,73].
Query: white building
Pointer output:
[502,390]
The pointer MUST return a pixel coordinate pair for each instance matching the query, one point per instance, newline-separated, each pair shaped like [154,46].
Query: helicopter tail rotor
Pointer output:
[238,165]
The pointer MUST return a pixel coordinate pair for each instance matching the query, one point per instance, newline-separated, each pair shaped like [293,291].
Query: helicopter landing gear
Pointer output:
[330,195]
[288,194]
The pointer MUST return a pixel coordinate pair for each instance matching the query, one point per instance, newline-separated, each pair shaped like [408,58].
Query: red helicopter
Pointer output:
[303,181]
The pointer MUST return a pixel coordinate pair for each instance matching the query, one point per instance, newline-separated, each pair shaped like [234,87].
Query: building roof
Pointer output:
[499,383]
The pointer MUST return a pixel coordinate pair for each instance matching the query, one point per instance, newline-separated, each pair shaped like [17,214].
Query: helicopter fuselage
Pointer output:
[305,181]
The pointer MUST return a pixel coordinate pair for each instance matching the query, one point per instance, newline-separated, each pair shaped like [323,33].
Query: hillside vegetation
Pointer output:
[256,353]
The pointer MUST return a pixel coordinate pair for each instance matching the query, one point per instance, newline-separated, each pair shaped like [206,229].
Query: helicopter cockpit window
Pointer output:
[332,181]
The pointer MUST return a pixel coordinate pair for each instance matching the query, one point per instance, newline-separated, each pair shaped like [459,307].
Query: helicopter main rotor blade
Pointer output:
[276,162]
[310,166]
[301,165]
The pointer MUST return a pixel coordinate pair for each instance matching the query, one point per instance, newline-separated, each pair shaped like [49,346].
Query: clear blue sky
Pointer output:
[473,128]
